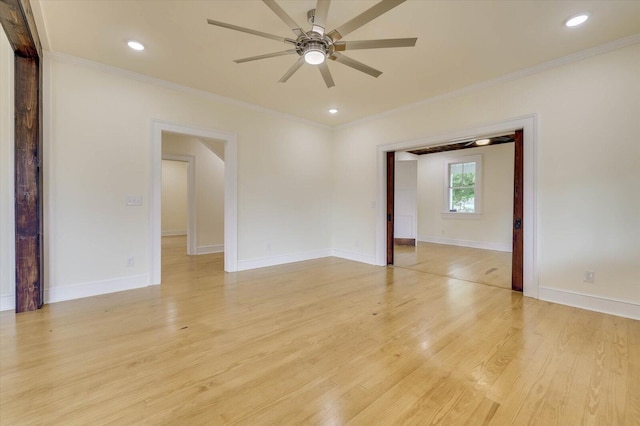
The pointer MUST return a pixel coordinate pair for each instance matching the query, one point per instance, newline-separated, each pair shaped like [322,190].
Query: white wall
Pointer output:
[174,197]
[100,137]
[492,228]
[587,168]
[7,213]
[209,183]
[405,207]
[300,195]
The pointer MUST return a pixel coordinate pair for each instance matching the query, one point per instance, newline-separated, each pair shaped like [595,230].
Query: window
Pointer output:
[463,184]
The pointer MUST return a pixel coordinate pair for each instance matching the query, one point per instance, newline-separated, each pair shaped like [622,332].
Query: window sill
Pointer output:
[453,215]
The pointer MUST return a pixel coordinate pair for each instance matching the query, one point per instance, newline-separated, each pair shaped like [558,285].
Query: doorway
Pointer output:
[229,142]
[524,219]
[471,214]
[179,199]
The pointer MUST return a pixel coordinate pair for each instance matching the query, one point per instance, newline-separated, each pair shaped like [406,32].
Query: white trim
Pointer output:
[230,192]
[41,25]
[356,257]
[7,302]
[49,182]
[191,231]
[95,288]
[174,233]
[74,60]
[7,178]
[216,248]
[605,305]
[537,69]
[466,243]
[263,262]
[529,124]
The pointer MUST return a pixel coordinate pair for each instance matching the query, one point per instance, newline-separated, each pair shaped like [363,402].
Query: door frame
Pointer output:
[230,192]
[390,200]
[192,235]
[528,124]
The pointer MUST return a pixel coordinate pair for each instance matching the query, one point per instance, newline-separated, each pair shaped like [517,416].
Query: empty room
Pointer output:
[279,212]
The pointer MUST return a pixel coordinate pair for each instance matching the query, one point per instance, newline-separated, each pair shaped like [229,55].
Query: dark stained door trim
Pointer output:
[18,23]
[517,258]
[391,162]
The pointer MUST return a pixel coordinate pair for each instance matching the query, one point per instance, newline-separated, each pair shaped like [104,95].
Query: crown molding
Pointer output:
[121,72]
[537,69]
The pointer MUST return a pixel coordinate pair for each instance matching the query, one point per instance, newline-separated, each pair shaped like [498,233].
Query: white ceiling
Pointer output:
[459,43]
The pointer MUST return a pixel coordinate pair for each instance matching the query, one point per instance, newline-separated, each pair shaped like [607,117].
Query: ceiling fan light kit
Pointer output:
[314,47]
[314,53]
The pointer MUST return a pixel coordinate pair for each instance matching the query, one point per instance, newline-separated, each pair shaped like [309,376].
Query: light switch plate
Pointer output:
[134,200]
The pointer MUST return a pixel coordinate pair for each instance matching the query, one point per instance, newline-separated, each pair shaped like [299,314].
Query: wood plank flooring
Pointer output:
[322,342]
[489,267]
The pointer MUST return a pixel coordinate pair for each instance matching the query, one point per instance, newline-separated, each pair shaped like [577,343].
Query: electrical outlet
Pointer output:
[589,277]
[130,262]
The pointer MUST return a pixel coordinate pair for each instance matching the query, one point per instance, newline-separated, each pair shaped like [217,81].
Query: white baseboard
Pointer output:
[592,303]
[263,262]
[216,248]
[95,288]
[244,265]
[357,257]
[466,243]
[7,302]
[173,233]
[564,297]
[77,291]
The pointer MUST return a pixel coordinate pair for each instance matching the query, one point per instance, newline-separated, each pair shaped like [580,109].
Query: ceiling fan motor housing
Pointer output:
[314,42]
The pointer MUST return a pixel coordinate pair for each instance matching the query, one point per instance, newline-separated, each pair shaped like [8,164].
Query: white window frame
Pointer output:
[477,190]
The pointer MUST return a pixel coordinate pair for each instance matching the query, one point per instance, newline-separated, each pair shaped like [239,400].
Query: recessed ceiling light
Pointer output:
[483,142]
[577,20]
[135,45]
[333,111]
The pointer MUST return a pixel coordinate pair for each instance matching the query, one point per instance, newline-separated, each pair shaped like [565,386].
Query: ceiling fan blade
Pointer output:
[265,56]
[293,69]
[275,7]
[326,74]
[355,64]
[375,44]
[250,31]
[365,17]
[320,17]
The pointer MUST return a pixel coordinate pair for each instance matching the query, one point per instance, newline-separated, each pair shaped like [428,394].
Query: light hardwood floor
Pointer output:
[471,264]
[325,342]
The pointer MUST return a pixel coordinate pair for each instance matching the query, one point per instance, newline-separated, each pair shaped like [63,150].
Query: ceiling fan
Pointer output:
[316,46]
